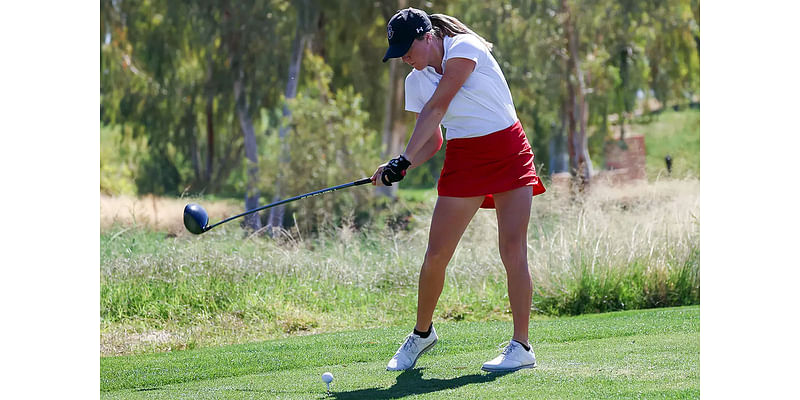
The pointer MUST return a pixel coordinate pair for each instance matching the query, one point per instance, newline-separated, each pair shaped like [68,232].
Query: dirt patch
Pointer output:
[126,342]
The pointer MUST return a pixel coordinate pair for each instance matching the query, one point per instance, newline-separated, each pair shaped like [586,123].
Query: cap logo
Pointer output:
[419,29]
[391,32]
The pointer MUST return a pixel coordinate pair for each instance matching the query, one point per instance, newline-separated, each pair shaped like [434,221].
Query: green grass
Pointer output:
[676,134]
[418,195]
[619,249]
[621,355]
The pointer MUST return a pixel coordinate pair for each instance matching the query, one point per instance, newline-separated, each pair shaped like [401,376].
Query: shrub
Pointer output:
[328,144]
[118,161]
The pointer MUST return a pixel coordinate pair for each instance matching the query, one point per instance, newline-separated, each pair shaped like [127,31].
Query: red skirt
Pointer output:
[494,163]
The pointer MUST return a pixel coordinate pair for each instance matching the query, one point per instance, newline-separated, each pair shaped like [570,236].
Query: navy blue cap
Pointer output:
[403,28]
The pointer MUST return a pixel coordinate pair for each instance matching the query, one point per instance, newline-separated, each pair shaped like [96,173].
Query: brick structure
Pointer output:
[623,165]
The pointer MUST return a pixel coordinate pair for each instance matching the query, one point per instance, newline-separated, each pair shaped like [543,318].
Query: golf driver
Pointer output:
[195,218]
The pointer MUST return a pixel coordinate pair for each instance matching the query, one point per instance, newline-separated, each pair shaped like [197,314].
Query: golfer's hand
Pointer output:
[376,177]
[395,170]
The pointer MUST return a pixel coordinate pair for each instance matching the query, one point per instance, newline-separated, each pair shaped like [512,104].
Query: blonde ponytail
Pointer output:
[445,25]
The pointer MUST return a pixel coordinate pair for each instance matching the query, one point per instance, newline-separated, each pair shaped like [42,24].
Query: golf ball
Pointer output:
[327,377]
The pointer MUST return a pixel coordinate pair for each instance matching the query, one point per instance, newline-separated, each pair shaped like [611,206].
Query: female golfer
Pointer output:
[488,163]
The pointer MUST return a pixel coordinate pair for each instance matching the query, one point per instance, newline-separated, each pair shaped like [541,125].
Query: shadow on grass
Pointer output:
[410,382]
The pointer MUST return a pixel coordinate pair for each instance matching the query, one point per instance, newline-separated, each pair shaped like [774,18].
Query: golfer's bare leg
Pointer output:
[513,212]
[450,219]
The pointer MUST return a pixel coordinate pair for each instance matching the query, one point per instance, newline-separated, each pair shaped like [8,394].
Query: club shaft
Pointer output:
[302,196]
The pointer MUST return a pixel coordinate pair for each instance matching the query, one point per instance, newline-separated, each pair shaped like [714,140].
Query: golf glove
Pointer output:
[395,170]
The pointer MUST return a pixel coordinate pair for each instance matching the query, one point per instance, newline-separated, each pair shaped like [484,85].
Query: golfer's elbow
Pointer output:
[439,141]
[434,110]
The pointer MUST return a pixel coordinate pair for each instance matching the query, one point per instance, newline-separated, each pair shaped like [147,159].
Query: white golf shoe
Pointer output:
[512,358]
[413,347]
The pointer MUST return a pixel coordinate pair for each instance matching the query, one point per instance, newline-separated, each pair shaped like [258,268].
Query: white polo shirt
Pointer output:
[482,106]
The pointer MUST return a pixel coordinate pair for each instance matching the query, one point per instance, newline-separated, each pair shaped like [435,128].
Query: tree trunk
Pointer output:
[569,115]
[190,132]
[189,126]
[210,137]
[195,154]
[252,221]
[235,44]
[300,39]
[394,130]
[209,123]
[627,102]
[577,106]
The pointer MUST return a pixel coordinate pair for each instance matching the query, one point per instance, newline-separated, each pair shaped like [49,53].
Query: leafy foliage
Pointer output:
[168,70]
[167,74]
[329,144]
[119,161]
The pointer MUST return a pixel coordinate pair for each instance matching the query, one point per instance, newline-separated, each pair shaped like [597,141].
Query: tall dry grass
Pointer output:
[157,213]
[610,228]
[617,247]
[617,244]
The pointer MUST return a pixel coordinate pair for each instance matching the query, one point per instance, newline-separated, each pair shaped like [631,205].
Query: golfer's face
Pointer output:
[417,54]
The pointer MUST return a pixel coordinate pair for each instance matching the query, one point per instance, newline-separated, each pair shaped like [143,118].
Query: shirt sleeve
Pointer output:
[466,46]
[414,101]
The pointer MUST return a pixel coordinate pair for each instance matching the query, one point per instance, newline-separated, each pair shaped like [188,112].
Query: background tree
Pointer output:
[575,105]
[395,127]
[331,142]
[205,89]
[307,17]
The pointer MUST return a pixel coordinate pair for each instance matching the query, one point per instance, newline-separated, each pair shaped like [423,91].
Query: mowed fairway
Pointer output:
[624,355]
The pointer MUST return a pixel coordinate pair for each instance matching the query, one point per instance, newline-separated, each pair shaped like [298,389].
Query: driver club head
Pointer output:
[195,218]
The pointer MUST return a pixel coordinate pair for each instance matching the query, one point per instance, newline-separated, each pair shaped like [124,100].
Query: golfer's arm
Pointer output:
[430,148]
[456,72]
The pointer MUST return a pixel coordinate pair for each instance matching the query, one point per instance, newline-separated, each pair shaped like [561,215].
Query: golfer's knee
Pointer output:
[436,259]
[514,251]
